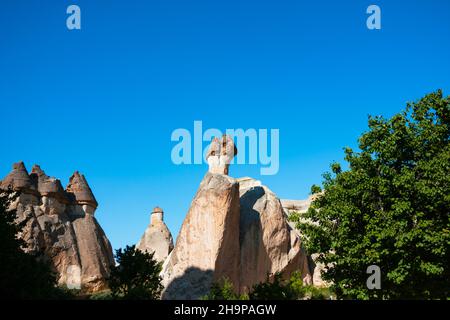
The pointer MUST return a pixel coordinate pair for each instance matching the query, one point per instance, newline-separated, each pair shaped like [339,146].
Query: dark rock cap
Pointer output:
[157,210]
[18,179]
[223,146]
[214,148]
[47,186]
[228,146]
[79,190]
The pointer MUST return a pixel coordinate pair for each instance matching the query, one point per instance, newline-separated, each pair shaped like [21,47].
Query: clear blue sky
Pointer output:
[105,99]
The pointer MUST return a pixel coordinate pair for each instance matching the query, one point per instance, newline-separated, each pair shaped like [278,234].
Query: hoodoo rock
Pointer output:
[235,229]
[207,247]
[18,179]
[80,193]
[157,237]
[60,226]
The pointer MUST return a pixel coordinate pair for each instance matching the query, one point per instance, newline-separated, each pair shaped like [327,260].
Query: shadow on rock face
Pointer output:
[192,285]
[249,216]
[255,262]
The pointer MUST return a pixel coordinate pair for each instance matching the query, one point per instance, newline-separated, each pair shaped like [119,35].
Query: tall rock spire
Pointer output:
[233,231]
[60,226]
[18,179]
[157,237]
[80,191]
[207,247]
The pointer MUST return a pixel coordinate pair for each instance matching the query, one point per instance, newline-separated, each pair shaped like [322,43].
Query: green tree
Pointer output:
[315,189]
[22,275]
[276,289]
[273,289]
[136,277]
[223,290]
[390,208]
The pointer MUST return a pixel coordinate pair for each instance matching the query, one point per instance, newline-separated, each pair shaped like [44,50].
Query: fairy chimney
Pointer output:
[80,192]
[157,237]
[47,186]
[18,179]
[220,153]
[57,229]
[157,215]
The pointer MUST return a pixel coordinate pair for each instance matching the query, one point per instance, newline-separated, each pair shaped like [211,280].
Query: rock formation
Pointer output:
[301,206]
[157,237]
[60,226]
[220,154]
[268,244]
[234,229]
[207,247]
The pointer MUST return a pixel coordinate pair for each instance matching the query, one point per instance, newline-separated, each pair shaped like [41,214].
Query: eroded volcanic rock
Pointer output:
[157,237]
[207,247]
[220,153]
[267,243]
[61,227]
[235,229]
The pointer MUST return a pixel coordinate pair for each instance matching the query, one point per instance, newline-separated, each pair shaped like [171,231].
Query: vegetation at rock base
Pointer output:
[390,208]
[272,289]
[22,275]
[277,290]
[136,277]
[101,295]
[223,290]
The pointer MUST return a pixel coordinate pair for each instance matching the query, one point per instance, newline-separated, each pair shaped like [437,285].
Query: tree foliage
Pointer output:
[223,290]
[390,208]
[275,288]
[22,275]
[136,277]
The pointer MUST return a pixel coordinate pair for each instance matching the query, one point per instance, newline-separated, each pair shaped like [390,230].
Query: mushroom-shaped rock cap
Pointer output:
[18,178]
[220,153]
[228,147]
[157,210]
[80,191]
[157,215]
[222,147]
[214,148]
[46,185]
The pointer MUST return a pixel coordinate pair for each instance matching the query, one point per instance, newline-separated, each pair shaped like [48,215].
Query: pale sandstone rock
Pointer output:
[207,247]
[235,229]
[220,153]
[95,252]
[268,244]
[157,237]
[61,229]
[301,206]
